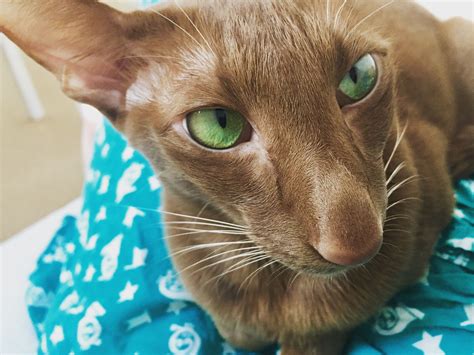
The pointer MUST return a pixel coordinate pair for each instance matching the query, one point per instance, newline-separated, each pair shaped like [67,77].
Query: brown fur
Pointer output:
[312,180]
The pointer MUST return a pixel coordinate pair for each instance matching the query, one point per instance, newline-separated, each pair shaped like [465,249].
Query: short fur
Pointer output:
[313,179]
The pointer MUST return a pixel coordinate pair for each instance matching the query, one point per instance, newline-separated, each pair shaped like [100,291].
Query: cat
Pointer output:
[306,147]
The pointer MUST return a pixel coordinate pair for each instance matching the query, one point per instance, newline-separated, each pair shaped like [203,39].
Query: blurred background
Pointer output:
[41,158]
[41,155]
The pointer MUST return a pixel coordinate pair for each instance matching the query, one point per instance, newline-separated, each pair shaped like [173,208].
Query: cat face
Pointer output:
[301,163]
[274,113]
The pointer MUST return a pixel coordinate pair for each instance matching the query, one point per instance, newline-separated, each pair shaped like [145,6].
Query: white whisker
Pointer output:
[211,231]
[336,18]
[281,269]
[174,23]
[151,57]
[395,217]
[183,234]
[254,253]
[194,223]
[368,16]
[234,268]
[401,201]
[196,232]
[397,143]
[237,226]
[395,172]
[350,13]
[400,184]
[202,209]
[252,275]
[195,27]
[327,11]
[247,261]
[206,246]
[219,255]
[294,279]
[397,230]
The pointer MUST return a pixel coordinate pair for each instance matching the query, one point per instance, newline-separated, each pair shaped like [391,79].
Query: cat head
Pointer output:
[276,113]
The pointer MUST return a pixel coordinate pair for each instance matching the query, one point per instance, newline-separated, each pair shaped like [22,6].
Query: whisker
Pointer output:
[298,274]
[195,27]
[401,201]
[391,245]
[201,211]
[219,255]
[396,221]
[397,143]
[397,216]
[237,226]
[206,246]
[400,184]
[241,255]
[151,56]
[281,269]
[174,23]
[187,216]
[395,172]
[252,275]
[327,11]
[234,268]
[194,223]
[252,258]
[368,16]
[397,230]
[211,231]
[351,10]
[182,234]
[336,18]
[383,255]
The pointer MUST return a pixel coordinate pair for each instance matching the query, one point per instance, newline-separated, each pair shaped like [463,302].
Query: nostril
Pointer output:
[350,255]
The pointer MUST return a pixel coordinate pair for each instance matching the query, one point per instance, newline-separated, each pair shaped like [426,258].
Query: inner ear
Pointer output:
[83,43]
[98,83]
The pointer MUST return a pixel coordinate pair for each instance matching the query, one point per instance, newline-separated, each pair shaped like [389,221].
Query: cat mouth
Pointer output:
[323,268]
[319,269]
[330,272]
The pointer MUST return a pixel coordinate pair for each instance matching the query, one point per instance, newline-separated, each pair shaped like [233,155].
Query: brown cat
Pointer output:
[315,137]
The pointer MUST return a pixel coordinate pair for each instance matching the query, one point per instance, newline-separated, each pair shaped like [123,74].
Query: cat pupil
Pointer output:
[353,74]
[221,116]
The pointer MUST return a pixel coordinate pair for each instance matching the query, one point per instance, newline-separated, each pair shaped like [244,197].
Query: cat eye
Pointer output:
[360,80]
[218,128]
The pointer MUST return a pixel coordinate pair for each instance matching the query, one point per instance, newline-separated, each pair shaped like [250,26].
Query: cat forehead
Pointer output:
[245,51]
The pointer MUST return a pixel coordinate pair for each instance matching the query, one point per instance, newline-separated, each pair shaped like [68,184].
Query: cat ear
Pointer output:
[82,42]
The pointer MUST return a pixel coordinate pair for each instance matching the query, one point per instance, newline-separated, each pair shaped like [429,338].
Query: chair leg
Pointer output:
[23,79]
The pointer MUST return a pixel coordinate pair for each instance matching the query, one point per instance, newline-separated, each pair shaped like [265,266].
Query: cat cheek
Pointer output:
[370,125]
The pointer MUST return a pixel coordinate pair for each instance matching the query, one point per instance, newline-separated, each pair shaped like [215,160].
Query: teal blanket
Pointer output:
[105,284]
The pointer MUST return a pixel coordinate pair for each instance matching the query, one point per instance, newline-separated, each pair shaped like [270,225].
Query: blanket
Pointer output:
[106,285]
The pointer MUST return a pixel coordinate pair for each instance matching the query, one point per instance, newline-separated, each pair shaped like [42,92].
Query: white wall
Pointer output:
[445,9]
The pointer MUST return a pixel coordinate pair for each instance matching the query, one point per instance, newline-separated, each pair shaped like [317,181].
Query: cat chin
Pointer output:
[330,274]
[329,271]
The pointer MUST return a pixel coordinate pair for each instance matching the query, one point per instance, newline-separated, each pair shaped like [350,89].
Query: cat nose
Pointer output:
[349,234]
[350,256]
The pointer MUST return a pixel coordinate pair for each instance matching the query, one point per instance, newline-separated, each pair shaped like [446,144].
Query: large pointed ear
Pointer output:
[82,42]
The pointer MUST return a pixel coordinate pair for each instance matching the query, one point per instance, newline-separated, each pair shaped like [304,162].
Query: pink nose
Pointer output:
[357,255]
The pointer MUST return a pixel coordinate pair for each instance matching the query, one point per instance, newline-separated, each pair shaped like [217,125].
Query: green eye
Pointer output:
[361,79]
[216,128]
